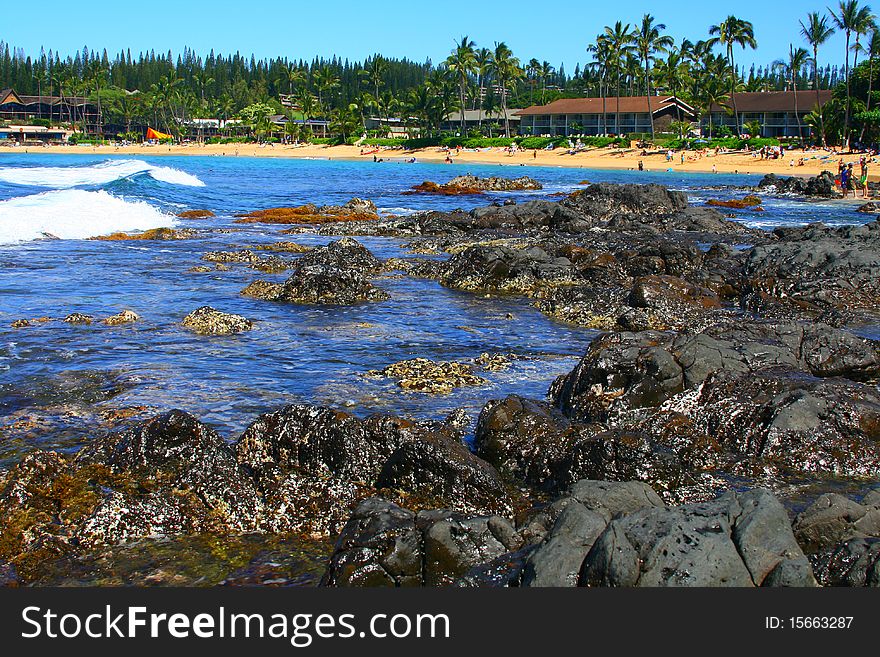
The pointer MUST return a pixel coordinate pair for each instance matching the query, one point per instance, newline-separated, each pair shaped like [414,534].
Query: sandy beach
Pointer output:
[609,158]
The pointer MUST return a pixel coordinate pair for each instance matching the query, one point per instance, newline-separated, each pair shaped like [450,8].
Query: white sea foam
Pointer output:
[95,174]
[74,214]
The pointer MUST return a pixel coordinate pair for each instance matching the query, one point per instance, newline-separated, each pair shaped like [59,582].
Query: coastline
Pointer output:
[608,158]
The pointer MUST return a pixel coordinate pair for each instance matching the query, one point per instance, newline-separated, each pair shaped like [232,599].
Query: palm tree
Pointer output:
[816,31]
[729,33]
[671,72]
[462,63]
[601,61]
[864,24]
[294,75]
[307,106]
[713,94]
[851,18]
[506,70]
[873,51]
[650,41]
[545,70]
[325,81]
[202,81]
[483,59]
[797,61]
[620,41]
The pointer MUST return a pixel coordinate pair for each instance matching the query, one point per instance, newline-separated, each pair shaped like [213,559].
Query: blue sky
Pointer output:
[555,30]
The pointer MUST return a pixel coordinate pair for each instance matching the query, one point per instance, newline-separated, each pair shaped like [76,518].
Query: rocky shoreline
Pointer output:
[676,452]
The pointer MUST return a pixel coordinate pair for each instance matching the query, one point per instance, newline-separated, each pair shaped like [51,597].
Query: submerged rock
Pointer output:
[196,214]
[423,375]
[124,317]
[210,321]
[151,235]
[78,318]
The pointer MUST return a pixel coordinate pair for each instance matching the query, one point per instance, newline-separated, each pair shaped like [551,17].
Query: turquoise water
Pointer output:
[55,377]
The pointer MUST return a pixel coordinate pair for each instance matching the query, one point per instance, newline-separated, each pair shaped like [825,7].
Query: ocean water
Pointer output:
[56,379]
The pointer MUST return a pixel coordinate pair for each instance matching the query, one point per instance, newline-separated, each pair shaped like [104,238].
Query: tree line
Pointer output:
[626,59]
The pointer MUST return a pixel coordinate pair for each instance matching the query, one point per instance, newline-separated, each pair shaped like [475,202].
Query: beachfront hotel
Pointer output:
[598,116]
[778,112]
[15,107]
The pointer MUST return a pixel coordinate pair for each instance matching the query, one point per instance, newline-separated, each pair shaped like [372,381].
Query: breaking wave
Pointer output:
[74,214]
[94,175]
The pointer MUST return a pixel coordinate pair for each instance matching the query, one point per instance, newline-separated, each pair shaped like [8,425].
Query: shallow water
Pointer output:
[55,378]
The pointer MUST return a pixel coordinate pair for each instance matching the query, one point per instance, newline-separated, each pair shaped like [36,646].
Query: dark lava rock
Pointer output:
[334,274]
[183,454]
[167,477]
[314,464]
[439,467]
[813,269]
[323,442]
[504,269]
[869,208]
[599,533]
[816,426]
[604,201]
[636,370]
[832,519]
[533,443]
[853,563]
[320,284]
[740,539]
[346,253]
[589,507]
[383,544]
[822,185]
[521,437]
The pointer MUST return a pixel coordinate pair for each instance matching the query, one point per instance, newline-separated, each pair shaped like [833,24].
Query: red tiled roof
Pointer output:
[776,101]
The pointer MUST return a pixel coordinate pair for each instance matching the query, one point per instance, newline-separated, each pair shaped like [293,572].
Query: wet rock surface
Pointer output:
[597,534]
[729,364]
[822,185]
[335,274]
[814,270]
[469,184]
[210,321]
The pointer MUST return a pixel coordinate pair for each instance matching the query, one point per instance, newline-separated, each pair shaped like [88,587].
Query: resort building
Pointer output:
[32,134]
[598,116]
[60,109]
[778,112]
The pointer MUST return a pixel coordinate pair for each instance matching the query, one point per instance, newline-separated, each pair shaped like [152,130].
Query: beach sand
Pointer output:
[609,158]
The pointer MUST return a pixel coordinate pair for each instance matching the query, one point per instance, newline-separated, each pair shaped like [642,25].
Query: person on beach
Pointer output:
[846,180]
[863,179]
[641,166]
